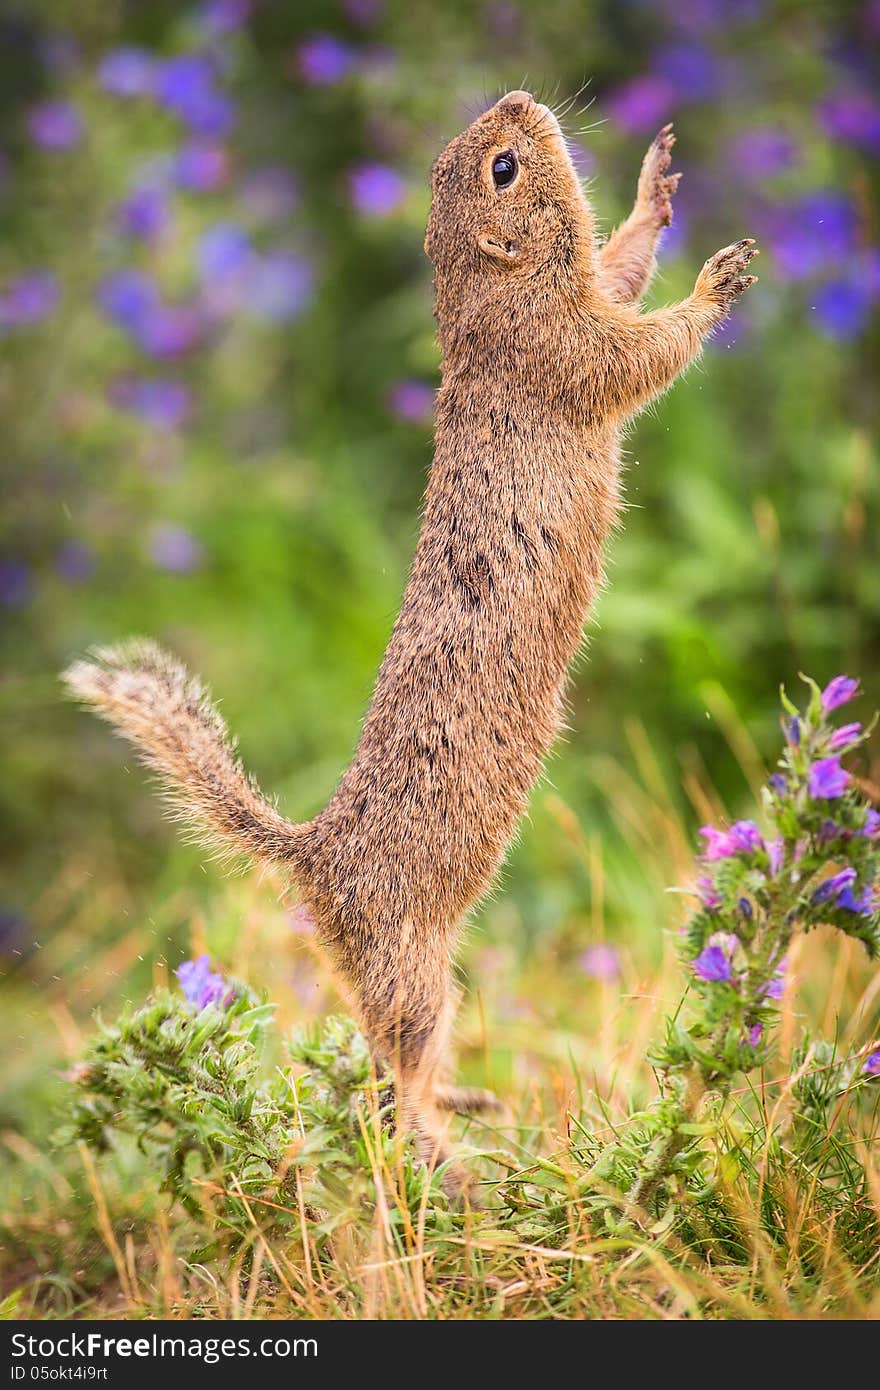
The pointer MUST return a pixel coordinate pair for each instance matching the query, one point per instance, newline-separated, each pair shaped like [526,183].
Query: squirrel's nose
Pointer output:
[516,101]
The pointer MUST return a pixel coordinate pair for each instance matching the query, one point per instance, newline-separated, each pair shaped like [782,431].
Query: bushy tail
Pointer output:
[168,715]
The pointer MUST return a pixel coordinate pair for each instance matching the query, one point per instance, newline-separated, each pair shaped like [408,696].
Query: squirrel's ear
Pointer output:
[491,245]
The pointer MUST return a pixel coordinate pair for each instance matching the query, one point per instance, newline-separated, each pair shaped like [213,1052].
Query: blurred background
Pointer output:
[217,361]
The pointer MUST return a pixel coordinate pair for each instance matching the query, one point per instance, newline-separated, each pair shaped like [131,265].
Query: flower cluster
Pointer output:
[202,986]
[819,862]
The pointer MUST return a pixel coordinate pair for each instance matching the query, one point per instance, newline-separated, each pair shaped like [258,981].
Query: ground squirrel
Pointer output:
[544,358]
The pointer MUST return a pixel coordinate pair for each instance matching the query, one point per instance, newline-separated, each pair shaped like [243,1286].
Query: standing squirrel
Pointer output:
[545,357]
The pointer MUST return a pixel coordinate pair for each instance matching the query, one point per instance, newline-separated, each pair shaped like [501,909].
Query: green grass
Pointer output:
[790,1228]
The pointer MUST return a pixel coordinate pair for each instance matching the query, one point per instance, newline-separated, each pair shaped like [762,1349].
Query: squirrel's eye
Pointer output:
[504,168]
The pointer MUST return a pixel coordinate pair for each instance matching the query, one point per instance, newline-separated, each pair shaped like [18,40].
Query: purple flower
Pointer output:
[831,887]
[852,116]
[812,233]
[691,69]
[793,731]
[15,583]
[224,250]
[201,166]
[642,104]
[279,287]
[844,737]
[709,895]
[323,60]
[127,296]
[828,778]
[775,988]
[872,1064]
[75,561]
[269,194]
[161,402]
[185,86]
[754,1035]
[778,783]
[718,843]
[362,12]
[713,965]
[745,837]
[144,213]
[600,962]
[127,72]
[28,299]
[848,902]
[376,189]
[762,152]
[174,549]
[839,691]
[842,308]
[55,125]
[224,16]
[774,854]
[871,826]
[412,401]
[201,986]
[746,909]
[169,330]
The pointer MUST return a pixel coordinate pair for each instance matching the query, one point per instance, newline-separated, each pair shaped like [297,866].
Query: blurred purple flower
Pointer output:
[15,583]
[323,60]
[755,1033]
[279,286]
[774,853]
[269,194]
[827,778]
[363,12]
[128,72]
[185,86]
[852,116]
[29,298]
[174,549]
[778,784]
[871,826]
[600,962]
[75,561]
[831,887]
[201,166]
[224,250]
[201,986]
[691,68]
[706,15]
[127,296]
[775,988]
[872,1064]
[709,895]
[161,401]
[842,308]
[762,152]
[170,330]
[811,233]
[144,213]
[839,691]
[844,737]
[412,401]
[224,16]
[712,965]
[59,52]
[376,189]
[55,125]
[641,104]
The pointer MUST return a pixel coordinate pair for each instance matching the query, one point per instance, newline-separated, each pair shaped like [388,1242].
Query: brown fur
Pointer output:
[544,358]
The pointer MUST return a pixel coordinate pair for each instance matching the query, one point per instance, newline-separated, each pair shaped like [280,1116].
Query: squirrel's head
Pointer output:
[507,200]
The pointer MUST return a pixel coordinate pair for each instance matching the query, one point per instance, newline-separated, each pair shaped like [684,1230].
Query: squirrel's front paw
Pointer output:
[656,186]
[723,278]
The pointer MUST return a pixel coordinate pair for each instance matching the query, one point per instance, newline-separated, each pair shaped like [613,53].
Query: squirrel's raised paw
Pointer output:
[656,186]
[724,276]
